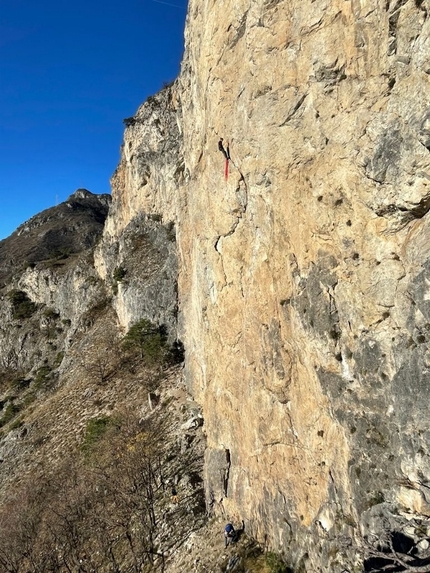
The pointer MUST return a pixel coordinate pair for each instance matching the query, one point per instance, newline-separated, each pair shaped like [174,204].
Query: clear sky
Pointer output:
[70,72]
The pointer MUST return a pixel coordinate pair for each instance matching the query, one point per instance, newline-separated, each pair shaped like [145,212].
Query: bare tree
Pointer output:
[100,511]
[394,549]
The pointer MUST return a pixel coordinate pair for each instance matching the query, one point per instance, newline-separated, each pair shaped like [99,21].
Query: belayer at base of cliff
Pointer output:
[229,534]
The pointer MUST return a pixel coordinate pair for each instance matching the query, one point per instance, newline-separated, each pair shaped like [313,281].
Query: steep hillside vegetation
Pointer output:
[97,428]
[87,463]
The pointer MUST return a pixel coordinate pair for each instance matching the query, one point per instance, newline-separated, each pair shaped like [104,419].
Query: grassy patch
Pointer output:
[58,359]
[42,379]
[94,432]
[119,273]
[51,313]
[275,564]
[148,340]
[20,384]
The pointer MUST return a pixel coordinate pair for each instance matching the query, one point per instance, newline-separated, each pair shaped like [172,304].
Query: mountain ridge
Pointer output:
[68,228]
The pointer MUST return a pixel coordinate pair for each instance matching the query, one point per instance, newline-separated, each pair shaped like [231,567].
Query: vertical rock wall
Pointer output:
[139,236]
[303,277]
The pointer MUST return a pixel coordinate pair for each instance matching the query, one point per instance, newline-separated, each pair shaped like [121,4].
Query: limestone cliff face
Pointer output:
[303,277]
[139,235]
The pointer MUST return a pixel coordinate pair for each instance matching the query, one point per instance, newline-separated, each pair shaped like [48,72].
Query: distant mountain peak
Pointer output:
[71,226]
[81,193]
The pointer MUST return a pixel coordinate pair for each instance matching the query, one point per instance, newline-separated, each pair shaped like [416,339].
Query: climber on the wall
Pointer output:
[226,152]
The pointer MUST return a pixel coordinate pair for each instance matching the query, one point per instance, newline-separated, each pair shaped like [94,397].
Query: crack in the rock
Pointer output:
[407,215]
[240,211]
[226,472]
[294,110]
[392,26]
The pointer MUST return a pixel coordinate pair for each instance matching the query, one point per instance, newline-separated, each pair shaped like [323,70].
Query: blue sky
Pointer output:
[70,72]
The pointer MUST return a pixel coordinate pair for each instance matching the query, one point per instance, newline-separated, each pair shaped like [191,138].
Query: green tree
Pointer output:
[147,339]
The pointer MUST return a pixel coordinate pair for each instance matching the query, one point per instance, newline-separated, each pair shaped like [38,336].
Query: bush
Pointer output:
[119,273]
[51,332]
[10,412]
[60,254]
[95,312]
[18,423]
[171,232]
[275,563]
[177,352]
[42,377]
[19,384]
[58,359]
[147,339]
[129,121]
[51,313]
[22,306]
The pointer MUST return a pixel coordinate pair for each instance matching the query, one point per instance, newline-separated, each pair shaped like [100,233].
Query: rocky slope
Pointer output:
[55,234]
[94,432]
[49,282]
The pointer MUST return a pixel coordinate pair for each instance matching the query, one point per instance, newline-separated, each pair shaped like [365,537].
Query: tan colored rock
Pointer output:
[303,278]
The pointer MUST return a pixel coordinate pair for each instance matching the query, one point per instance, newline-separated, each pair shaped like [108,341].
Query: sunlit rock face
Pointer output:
[140,234]
[303,276]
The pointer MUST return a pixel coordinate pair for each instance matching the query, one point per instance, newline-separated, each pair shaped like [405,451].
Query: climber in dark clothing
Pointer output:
[225,150]
[174,495]
[229,534]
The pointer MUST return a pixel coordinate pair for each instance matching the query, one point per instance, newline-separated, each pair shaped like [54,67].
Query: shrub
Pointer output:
[19,384]
[58,359]
[29,399]
[275,563]
[95,312]
[18,423]
[147,339]
[94,432]
[119,273]
[171,232]
[60,254]
[42,377]
[51,332]
[129,121]
[177,352]
[51,313]
[22,306]
[91,280]
[10,412]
